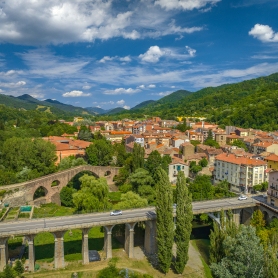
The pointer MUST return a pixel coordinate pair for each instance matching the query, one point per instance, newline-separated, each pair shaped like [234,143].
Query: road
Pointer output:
[102,219]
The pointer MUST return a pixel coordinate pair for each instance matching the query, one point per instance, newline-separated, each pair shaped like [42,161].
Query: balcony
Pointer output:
[273,187]
[272,195]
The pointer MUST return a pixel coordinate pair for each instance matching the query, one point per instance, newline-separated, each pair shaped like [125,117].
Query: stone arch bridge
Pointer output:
[23,193]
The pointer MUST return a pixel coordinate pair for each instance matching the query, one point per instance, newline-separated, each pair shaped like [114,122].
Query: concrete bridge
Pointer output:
[242,211]
[23,193]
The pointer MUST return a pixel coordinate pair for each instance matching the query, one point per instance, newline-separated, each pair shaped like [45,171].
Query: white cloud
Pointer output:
[108,58]
[121,102]
[141,86]
[121,91]
[76,94]
[86,87]
[126,107]
[125,59]
[10,72]
[162,94]
[47,21]
[37,95]
[173,87]
[42,62]
[13,84]
[263,33]
[184,4]
[105,59]
[151,86]
[1,91]
[190,51]
[153,54]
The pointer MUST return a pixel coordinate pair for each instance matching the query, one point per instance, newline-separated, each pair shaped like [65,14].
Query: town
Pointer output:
[217,163]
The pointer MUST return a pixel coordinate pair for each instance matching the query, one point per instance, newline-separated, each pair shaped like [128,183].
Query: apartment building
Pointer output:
[175,166]
[272,192]
[242,172]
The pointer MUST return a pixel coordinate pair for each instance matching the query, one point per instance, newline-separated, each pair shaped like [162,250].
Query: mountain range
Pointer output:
[251,103]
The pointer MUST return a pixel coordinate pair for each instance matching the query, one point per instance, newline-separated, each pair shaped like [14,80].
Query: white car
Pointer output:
[242,197]
[116,212]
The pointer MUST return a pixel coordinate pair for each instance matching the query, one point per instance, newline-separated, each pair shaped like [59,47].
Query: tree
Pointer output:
[140,177]
[166,160]
[217,236]
[93,195]
[164,220]
[240,144]
[138,154]
[100,153]
[153,162]
[70,161]
[244,256]
[18,268]
[257,220]
[66,196]
[37,155]
[131,200]
[9,272]
[194,168]
[203,162]
[120,154]
[184,217]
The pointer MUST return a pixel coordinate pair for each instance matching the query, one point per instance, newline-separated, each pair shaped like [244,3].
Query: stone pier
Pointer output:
[31,251]
[85,246]
[246,215]
[3,252]
[150,244]
[59,259]
[108,241]
[129,239]
[236,216]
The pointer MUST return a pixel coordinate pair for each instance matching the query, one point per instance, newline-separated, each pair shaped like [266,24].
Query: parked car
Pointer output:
[116,212]
[242,197]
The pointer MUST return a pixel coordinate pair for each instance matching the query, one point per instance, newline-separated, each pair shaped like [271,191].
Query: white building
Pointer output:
[242,172]
[176,166]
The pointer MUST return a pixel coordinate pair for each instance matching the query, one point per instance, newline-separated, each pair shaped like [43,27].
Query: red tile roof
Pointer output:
[240,160]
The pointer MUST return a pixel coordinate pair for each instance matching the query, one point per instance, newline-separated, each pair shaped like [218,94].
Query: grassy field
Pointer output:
[44,244]
[142,266]
[202,245]
[12,214]
[52,210]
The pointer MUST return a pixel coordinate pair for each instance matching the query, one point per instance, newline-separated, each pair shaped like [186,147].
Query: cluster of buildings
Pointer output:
[241,168]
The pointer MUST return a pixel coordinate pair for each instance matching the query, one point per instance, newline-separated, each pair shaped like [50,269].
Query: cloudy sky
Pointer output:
[111,53]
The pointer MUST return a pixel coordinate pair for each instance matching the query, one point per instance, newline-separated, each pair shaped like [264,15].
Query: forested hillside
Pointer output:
[252,103]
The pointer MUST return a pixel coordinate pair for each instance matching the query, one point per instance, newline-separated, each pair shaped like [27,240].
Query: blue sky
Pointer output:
[111,53]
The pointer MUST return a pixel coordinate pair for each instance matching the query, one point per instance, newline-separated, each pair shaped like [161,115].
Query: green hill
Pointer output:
[143,104]
[252,103]
[27,102]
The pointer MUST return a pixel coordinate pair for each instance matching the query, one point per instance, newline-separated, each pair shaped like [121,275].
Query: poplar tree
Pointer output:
[165,224]
[137,157]
[184,217]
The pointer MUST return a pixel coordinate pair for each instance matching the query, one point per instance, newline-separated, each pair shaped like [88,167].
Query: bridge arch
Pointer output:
[41,191]
[55,183]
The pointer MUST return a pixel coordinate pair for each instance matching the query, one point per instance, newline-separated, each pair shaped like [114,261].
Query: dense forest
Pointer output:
[252,103]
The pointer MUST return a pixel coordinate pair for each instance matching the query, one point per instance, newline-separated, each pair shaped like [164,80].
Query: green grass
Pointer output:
[44,244]
[2,212]
[52,210]
[12,213]
[13,243]
[24,215]
[202,245]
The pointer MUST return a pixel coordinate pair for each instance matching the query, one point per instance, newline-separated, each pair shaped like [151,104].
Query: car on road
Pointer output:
[242,197]
[116,212]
